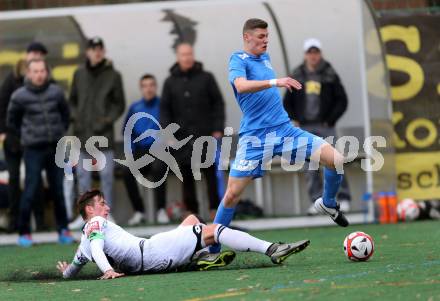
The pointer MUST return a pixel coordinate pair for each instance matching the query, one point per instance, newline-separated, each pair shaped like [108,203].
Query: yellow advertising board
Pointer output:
[413,57]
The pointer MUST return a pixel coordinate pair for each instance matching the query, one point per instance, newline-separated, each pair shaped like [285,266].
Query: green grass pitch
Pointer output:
[405,266]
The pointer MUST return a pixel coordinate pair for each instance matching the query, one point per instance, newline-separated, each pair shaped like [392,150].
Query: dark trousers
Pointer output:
[13,156]
[189,189]
[36,159]
[152,172]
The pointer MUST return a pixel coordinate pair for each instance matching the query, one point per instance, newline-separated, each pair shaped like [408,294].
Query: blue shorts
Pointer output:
[258,147]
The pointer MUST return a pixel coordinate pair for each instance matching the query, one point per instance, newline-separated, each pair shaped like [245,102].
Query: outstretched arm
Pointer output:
[68,270]
[95,233]
[249,86]
[72,269]
[97,247]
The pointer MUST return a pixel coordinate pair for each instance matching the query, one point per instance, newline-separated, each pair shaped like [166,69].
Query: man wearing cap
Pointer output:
[11,142]
[316,109]
[97,101]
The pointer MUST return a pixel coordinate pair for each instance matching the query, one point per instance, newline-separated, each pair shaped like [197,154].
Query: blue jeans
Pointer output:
[37,159]
[105,175]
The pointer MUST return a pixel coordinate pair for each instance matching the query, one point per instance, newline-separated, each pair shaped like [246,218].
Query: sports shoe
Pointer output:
[136,219]
[344,206]
[77,224]
[207,261]
[65,237]
[278,252]
[25,241]
[162,217]
[336,215]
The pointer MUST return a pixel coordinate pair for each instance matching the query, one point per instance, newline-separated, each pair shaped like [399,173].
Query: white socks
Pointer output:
[239,241]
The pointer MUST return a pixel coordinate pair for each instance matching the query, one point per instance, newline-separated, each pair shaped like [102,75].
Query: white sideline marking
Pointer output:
[251,225]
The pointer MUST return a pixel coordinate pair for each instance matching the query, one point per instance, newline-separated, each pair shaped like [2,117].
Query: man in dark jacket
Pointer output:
[192,99]
[97,101]
[39,114]
[316,109]
[12,147]
[149,103]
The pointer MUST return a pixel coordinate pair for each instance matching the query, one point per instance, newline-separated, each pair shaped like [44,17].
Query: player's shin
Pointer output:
[239,241]
[224,217]
[332,181]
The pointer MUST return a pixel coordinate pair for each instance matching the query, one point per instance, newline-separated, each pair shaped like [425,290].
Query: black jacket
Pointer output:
[40,115]
[11,83]
[97,100]
[333,96]
[192,100]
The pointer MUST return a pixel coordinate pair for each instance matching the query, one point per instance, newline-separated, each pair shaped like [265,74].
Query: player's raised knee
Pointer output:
[190,220]
[331,158]
[338,161]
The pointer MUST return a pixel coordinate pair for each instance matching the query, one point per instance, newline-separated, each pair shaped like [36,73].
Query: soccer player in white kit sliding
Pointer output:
[117,252]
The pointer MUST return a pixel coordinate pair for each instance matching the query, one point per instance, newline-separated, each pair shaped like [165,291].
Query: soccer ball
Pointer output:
[358,246]
[408,210]
[176,210]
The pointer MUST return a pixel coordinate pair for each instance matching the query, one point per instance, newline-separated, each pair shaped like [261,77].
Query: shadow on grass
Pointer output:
[51,275]
[44,275]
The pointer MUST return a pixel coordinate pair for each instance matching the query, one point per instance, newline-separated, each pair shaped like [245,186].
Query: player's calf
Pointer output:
[241,241]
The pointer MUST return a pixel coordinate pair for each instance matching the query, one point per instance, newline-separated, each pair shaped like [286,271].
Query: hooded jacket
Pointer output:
[39,115]
[333,99]
[97,101]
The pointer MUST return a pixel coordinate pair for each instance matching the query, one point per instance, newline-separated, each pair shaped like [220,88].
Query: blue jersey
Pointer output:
[261,109]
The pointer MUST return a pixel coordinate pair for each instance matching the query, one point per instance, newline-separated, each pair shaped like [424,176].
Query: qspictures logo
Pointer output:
[294,152]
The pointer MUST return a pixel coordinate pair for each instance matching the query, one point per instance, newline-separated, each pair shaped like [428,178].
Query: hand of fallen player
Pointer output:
[62,266]
[111,274]
[289,83]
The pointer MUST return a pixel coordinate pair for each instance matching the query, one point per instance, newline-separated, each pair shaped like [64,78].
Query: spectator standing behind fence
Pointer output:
[39,114]
[11,142]
[191,98]
[97,101]
[316,109]
[149,103]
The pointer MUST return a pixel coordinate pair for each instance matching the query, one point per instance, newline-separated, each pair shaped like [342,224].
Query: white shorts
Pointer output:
[170,250]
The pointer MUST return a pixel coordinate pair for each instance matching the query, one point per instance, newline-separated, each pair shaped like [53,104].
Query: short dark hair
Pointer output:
[254,23]
[87,199]
[39,60]
[147,76]
[36,47]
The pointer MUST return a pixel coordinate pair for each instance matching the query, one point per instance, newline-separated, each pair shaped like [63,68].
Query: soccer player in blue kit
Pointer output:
[255,87]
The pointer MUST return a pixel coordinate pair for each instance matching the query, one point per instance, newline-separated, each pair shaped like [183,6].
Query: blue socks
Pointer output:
[332,181]
[223,217]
